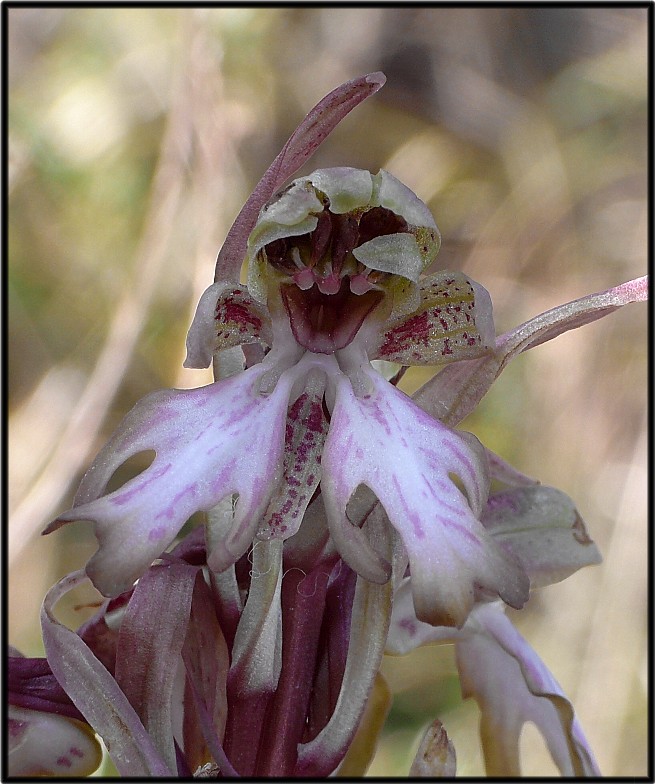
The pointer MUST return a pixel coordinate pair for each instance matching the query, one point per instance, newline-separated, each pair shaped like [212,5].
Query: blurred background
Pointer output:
[136,134]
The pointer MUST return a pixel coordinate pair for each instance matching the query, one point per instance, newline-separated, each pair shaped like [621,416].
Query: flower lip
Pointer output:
[325,323]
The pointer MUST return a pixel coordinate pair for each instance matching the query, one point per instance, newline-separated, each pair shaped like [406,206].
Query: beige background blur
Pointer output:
[136,134]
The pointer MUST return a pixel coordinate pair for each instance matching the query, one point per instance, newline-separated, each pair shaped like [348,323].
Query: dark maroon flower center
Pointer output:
[330,293]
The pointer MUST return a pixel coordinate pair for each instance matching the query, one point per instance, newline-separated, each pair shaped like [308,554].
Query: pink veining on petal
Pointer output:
[203,440]
[407,458]
[140,486]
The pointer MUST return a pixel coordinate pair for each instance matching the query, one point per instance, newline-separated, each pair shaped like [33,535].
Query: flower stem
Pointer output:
[303,602]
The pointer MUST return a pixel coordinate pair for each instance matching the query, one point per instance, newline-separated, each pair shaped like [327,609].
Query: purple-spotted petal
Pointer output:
[512,685]
[226,316]
[453,321]
[306,430]
[384,441]
[46,745]
[457,389]
[210,442]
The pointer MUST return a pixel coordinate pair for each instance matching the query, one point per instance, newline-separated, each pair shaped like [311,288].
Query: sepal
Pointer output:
[543,530]
[226,316]
[435,757]
[47,745]
[453,321]
[454,392]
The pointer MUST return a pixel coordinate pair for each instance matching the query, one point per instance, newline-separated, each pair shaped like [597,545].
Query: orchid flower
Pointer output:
[334,265]
[497,667]
[253,646]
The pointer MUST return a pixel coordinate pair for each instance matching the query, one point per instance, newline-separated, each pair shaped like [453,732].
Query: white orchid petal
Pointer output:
[345,187]
[203,439]
[43,744]
[408,459]
[512,685]
[396,196]
[303,142]
[397,254]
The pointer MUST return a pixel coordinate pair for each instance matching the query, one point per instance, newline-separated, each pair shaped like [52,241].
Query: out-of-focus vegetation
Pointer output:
[136,134]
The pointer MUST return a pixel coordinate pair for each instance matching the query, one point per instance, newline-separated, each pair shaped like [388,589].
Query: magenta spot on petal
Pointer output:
[157,533]
[316,420]
[202,432]
[223,476]
[408,625]
[64,762]
[461,456]
[76,752]
[169,512]
[296,408]
[16,727]
[418,528]
[503,501]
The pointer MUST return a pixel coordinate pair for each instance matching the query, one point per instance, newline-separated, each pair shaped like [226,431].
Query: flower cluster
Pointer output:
[343,518]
